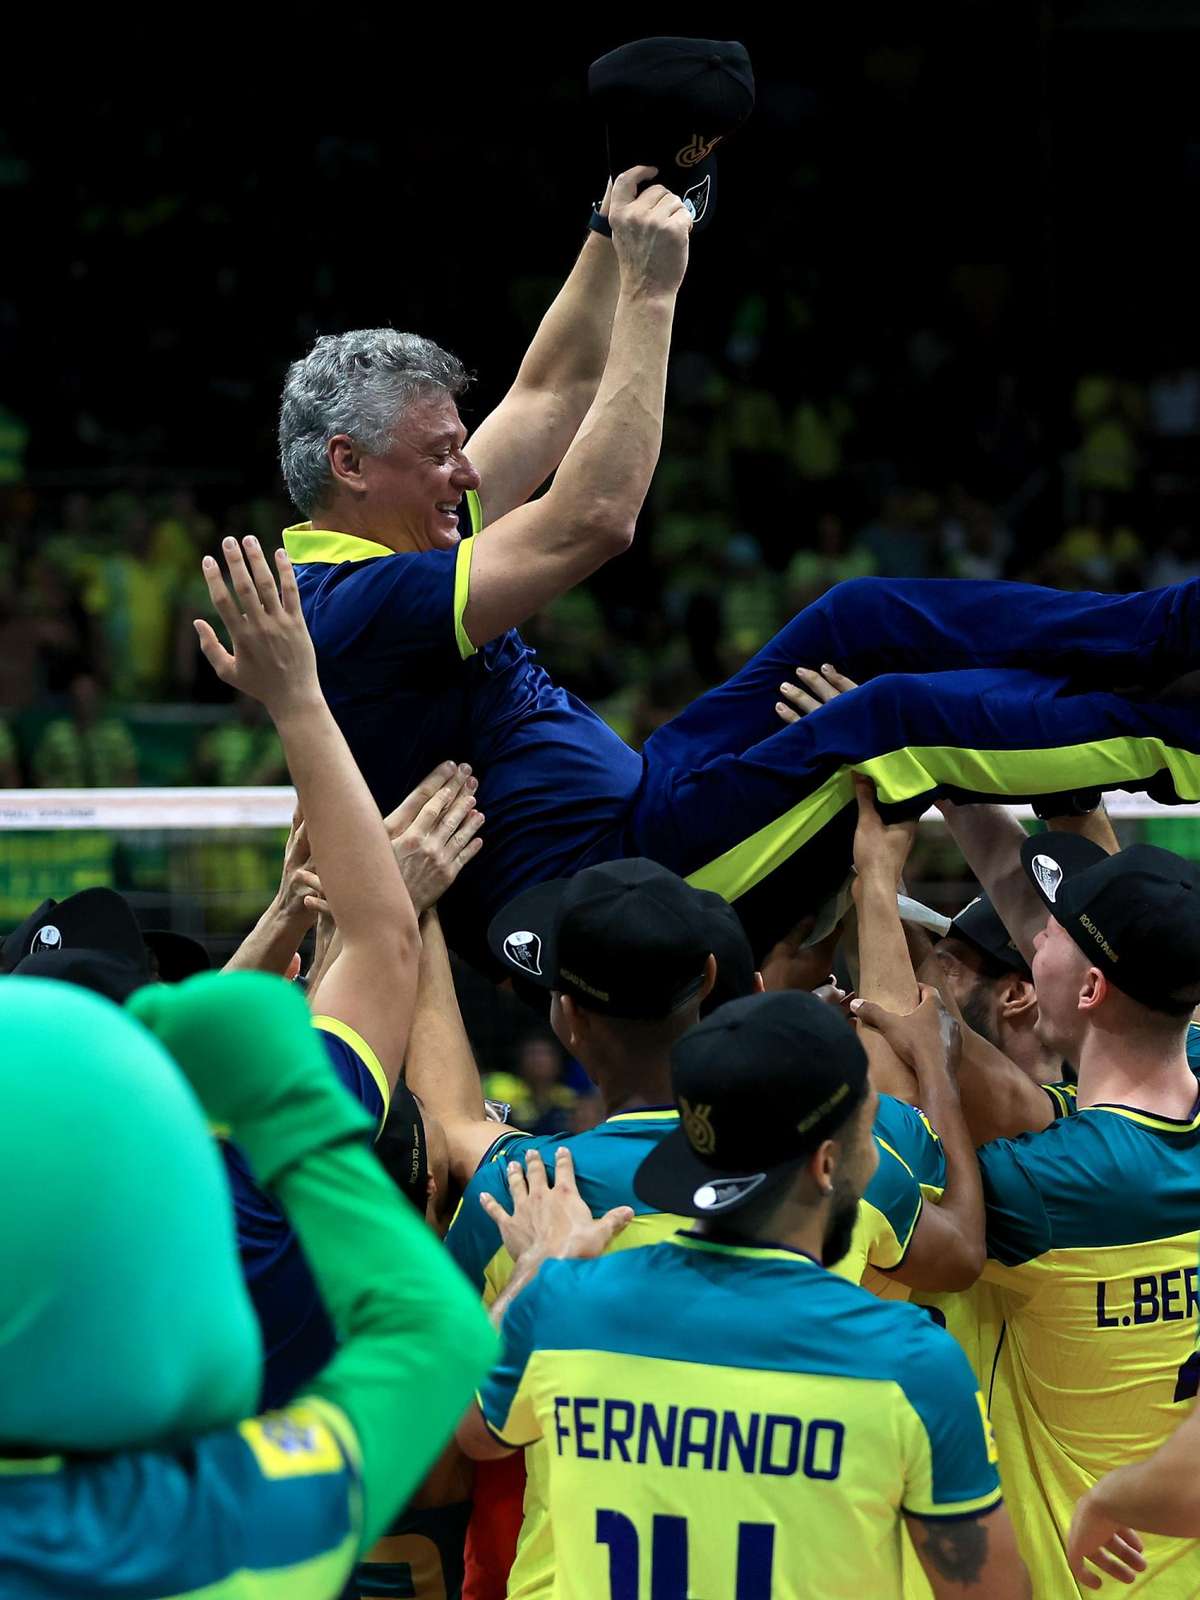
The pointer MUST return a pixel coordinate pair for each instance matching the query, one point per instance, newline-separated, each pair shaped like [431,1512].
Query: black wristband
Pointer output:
[599,224]
[1071,803]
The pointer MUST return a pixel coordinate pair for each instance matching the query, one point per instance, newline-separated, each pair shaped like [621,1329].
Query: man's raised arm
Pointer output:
[371,987]
[524,439]
[541,550]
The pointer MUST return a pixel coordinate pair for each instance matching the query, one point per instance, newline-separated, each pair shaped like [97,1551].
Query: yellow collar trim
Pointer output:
[1148,1119]
[664,1114]
[751,1252]
[303,543]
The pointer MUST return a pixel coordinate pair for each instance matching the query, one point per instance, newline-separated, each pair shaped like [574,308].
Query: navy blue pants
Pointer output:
[973,690]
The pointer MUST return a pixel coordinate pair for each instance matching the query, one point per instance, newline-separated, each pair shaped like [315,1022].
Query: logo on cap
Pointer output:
[696,198]
[1049,875]
[524,949]
[46,938]
[725,1192]
[698,1128]
[696,149]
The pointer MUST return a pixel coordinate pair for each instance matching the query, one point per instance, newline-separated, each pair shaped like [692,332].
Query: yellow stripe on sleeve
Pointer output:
[343,1031]
[462,593]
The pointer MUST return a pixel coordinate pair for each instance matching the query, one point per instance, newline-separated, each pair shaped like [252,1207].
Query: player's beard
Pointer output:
[839,1230]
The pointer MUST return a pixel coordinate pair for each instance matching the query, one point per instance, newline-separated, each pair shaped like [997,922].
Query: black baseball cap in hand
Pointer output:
[667,103]
[622,938]
[759,1084]
[1135,915]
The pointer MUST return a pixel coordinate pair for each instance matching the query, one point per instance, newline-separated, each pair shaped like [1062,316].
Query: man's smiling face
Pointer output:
[413,488]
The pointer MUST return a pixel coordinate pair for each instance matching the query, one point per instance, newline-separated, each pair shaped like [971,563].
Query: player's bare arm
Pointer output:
[590,512]
[947,1249]
[971,1558]
[524,439]
[272,943]
[441,1064]
[372,985]
[885,971]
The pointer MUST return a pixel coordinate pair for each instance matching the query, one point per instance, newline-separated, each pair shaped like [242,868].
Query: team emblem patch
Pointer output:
[47,937]
[722,1193]
[1049,876]
[296,1443]
[524,950]
[696,149]
[698,1127]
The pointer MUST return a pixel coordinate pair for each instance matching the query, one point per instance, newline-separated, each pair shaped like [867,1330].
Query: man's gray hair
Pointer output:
[356,383]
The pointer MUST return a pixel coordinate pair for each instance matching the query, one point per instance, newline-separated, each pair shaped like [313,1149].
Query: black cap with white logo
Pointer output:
[759,1085]
[96,922]
[978,924]
[1135,915]
[622,938]
[667,103]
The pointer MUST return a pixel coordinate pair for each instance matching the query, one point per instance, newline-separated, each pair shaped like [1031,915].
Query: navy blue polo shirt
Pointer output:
[409,690]
[297,1334]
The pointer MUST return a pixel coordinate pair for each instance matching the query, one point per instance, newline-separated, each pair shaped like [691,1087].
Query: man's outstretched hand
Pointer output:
[272,657]
[547,1222]
[815,689]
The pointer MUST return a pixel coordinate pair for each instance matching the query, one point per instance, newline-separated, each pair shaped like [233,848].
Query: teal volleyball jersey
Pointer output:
[734,1420]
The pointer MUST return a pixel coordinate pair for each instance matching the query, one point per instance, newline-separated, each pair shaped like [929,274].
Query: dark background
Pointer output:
[183,214]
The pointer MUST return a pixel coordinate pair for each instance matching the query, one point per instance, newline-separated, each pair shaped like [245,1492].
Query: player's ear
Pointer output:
[1018,999]
[1093,990]
[573,1022]
[823,1165]
[710,977]
[345,463]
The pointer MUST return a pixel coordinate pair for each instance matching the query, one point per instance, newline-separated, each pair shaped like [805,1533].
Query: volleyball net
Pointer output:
[206,861]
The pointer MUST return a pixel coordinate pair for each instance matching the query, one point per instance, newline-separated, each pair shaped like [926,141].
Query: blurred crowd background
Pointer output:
[943,325]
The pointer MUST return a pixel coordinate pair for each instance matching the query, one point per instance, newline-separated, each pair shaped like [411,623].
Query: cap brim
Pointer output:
[1052,860]
[522,936]
[673,1179]
[104,974]
[922,916]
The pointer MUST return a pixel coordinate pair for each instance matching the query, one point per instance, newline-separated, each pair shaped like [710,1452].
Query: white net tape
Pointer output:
[171,809]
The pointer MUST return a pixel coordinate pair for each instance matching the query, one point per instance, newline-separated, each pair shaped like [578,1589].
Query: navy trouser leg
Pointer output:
[870,626]
[731,821]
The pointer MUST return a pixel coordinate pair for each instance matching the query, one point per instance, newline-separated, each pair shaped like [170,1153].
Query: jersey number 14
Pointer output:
[669,1557]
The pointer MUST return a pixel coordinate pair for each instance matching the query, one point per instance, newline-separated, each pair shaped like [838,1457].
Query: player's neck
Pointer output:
[632,1085]
[806,1237]
[350,517]
[1136,1074]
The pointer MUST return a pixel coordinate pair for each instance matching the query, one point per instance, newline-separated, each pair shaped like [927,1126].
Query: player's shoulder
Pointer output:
[907,1131]
[894,1186]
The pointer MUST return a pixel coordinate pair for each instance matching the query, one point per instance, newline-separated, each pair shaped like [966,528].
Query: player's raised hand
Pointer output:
[435,832]
[650,234]
[547,1221]
[272,657]
[815,689]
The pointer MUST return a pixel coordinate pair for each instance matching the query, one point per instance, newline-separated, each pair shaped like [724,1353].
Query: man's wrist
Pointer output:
[296,709]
